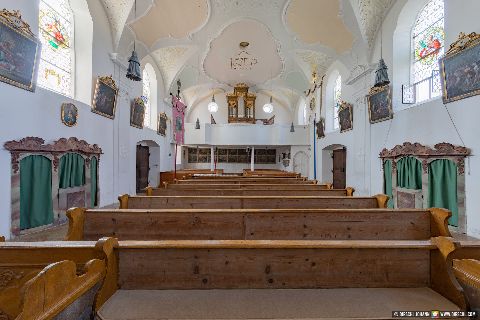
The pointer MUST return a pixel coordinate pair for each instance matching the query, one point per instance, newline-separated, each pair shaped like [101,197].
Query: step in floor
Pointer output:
[348,303]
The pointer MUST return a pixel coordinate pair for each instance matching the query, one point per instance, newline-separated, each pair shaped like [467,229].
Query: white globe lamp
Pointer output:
[212,106]
[268,107]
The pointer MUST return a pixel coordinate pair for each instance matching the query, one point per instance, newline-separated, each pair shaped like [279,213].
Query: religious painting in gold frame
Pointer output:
[18,51]
[69,114]
[345,116]
[379,102]
[137,113]
[162,124]
[460,68]
[105,97]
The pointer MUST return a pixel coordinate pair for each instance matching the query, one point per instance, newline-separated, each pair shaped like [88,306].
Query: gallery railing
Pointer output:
[426,89]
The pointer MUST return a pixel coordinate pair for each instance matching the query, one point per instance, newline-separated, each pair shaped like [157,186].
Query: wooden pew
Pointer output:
[169,176]
[243,202]
[295,264]
[267,172]
[467,272]
[252,192]
[24,260]
[246,181]
[55,291]
[251,224]
[248,186]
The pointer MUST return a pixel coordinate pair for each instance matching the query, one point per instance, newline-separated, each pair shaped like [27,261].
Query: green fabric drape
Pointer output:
[409,173]
[36,207]
[72,171]
[387,181]
[93,179]
[442,187]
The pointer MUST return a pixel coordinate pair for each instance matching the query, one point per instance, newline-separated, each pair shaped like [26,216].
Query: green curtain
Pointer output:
[72,171]
[36,207]
[93,179]
[442,187]
[409,173]
[387,181]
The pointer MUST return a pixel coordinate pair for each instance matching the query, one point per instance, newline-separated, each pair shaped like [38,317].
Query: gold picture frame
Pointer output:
[460,69]
[137,113]
[162,124]
[379,101]
[105,97]
[345,116]
[69,114]
[17,40]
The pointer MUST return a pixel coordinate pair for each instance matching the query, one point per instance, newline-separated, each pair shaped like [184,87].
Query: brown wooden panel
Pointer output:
[220,268]
[163,225]
[142,167]
[246,181]
[295,224]
[248,186]
[199,202]
[339,168]
[253,192]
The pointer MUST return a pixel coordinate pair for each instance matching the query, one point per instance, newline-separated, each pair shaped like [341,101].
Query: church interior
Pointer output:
[239,159]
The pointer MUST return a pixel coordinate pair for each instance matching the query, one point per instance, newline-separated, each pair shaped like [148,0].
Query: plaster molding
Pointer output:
[358,72]
[117,14]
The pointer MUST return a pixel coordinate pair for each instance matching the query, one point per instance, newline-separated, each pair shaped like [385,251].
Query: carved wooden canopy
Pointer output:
[37,145]
[418,150]
[440,150]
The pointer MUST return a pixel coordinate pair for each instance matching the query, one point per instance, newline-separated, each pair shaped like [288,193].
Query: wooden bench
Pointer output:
[244,202]
[257,224]
[22,261]
[248,186]
[54,292]
[467,272]
[252,192]
[416,268]
[169,176]
[269,172]
[247,181]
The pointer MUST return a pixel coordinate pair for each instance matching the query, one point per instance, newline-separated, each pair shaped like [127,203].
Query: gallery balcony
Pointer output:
[247,134]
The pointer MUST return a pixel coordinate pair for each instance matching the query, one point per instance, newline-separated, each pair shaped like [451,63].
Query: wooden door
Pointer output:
[143,168]
[339,168]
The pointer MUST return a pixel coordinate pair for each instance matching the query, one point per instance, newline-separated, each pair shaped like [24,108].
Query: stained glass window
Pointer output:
[56,35]
[147,97]
[337,97]
[428,38]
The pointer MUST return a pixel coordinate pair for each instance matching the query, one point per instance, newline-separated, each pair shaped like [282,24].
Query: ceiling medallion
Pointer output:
[243,61]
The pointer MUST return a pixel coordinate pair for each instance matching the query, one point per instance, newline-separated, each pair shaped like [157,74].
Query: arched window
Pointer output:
[428,38]
[337,97]
[147,94]
[56,29]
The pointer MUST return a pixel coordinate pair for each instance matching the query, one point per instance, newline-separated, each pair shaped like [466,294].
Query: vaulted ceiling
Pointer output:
[198,41]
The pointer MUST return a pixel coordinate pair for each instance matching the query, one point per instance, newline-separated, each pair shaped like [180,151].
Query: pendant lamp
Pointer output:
[212,106]
[268,107]
[133,72]
[292,128]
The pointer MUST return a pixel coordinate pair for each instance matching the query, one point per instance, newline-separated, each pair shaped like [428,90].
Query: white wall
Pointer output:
[38,114]
[427,123]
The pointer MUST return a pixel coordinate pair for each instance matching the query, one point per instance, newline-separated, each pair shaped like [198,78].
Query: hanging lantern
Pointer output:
[268,107]
[292,128]
[381,74]
[197,124]
[133,72]
[212,106]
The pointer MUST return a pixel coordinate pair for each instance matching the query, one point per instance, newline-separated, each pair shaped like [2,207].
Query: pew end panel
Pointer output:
[2,239]
[57,287]
[149,191]
[467,272]
[123,201]
[350,191]
[76,223]
[439,222]
[382,200]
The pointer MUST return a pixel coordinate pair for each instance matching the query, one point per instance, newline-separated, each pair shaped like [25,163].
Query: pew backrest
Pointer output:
[250,192]
[257,224]
[249,186]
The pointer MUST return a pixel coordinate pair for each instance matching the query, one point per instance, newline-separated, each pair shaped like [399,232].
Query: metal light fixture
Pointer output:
[292,128]
[197,124]
[268,107]
[212,106]
[133,72]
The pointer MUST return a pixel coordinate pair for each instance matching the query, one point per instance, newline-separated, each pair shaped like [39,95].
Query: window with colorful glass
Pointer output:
[147,97]
[56,35]
[428,38]
[337,97]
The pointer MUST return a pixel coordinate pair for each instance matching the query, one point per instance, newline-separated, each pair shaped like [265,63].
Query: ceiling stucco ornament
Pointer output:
[319,22]
[316,61]
[171,19]
[370,14]
[170,60]
[263,47]
[117,13]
